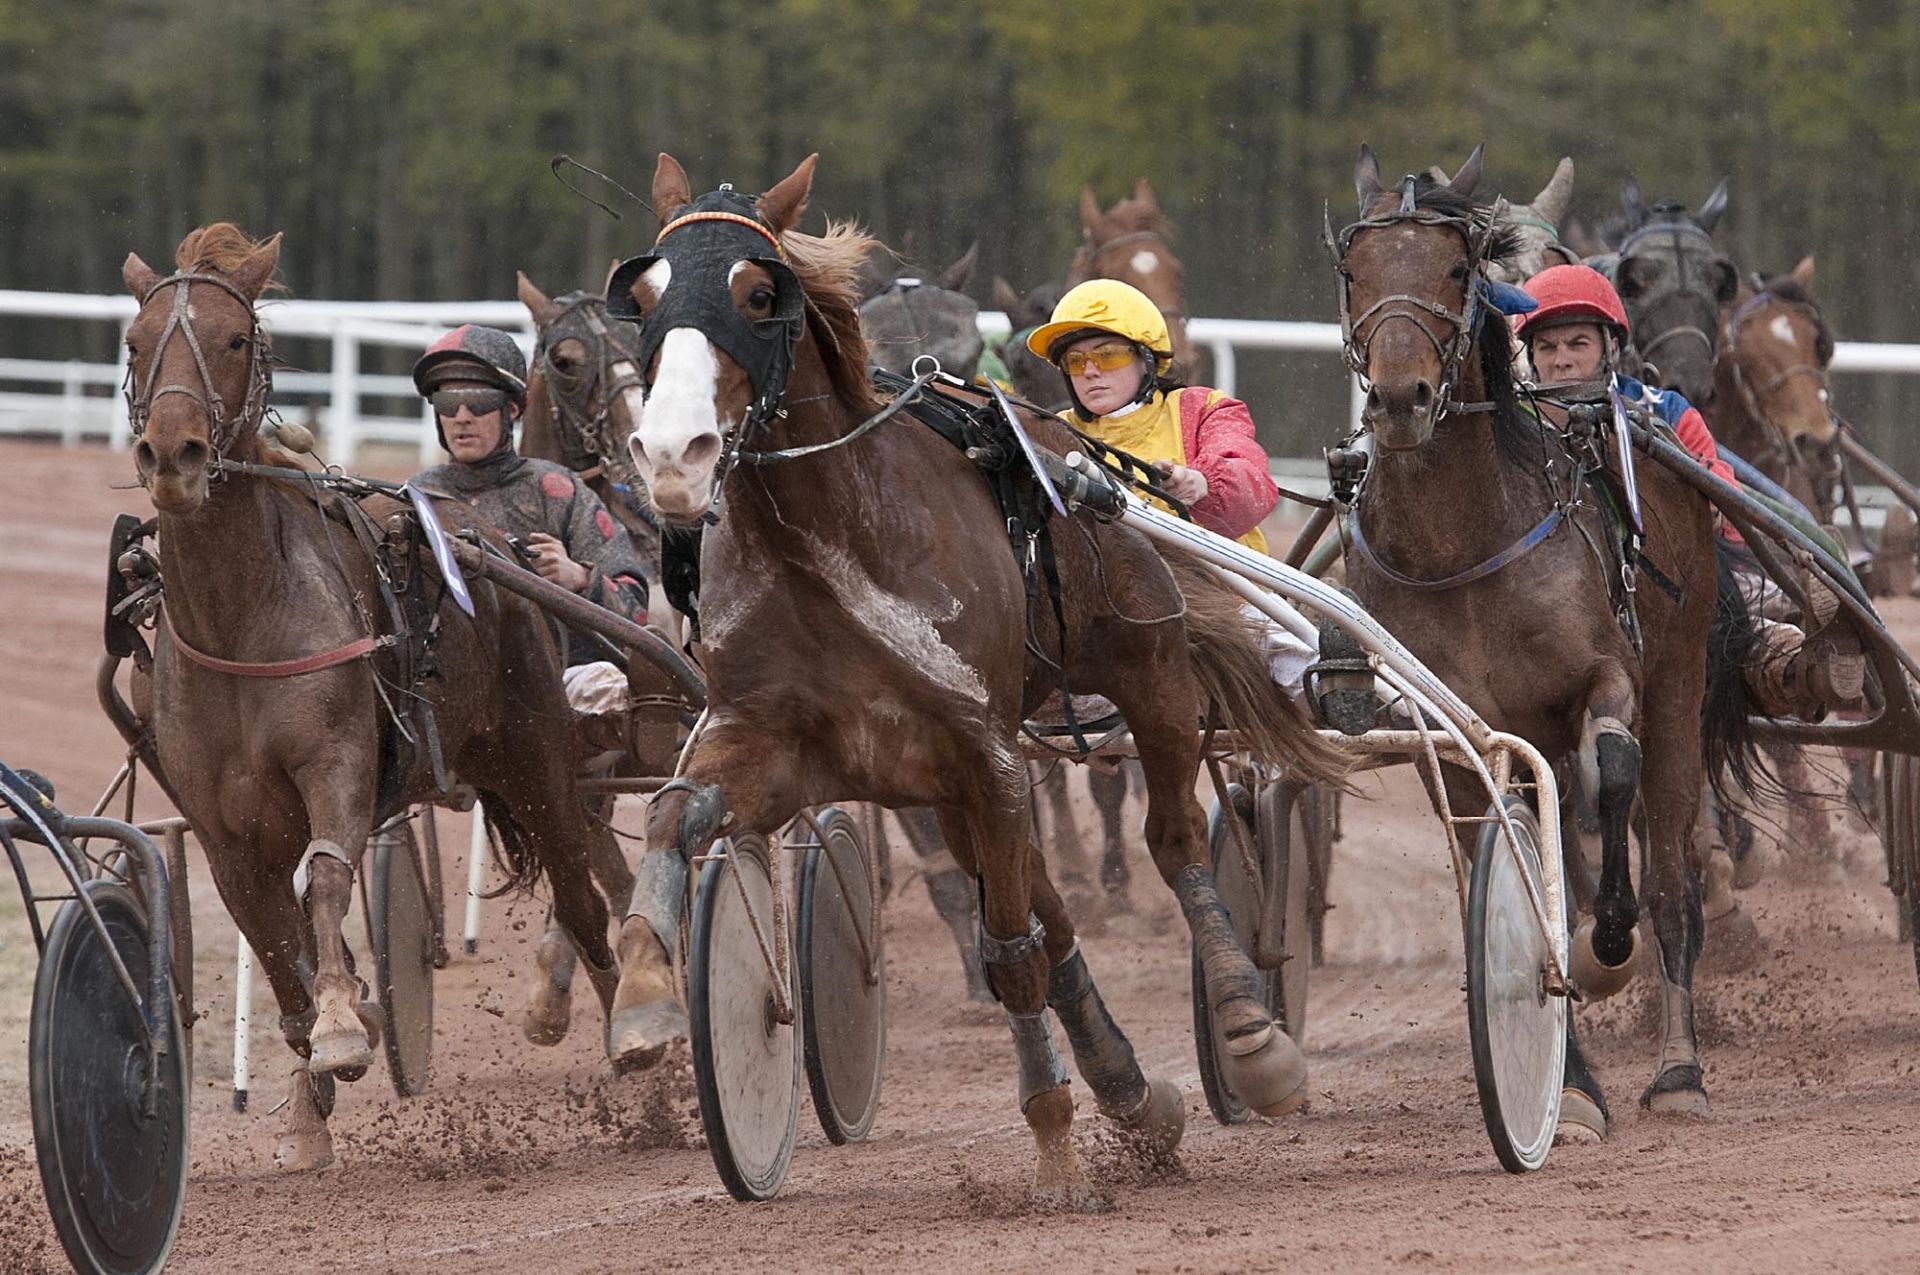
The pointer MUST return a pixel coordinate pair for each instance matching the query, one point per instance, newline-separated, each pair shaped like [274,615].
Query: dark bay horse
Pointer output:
[1675,283]
[867,638]
[274,670]
[1128,242]
[1460,479]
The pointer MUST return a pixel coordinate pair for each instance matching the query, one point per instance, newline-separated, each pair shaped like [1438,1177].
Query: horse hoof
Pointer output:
[549,1014]
[347,1054]
[1582,1122]
[1272,1078]
[1733,942]
[1077,1197]
[1155,1129]
[640,1036]
[1595,979]
[1678,1091]
[304,1152]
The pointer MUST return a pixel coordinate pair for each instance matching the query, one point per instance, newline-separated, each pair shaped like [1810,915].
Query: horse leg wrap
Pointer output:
[1041,1070]
[303,873]
[1591,730]
[1214,939]
[1100,1049]
[1013,951]
[660,895]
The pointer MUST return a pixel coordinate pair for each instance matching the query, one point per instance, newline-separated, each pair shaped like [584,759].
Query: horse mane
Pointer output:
[830,270]
[220,247]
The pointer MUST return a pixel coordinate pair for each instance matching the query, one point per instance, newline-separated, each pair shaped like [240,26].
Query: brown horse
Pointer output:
[276,669]
[1461,481]
[869,636]
[1128,242]
[1771,403]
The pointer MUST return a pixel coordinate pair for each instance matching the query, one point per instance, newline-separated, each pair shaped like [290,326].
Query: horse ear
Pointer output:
[1551,203]
[1143,194]
[1366,177]
[671,191]
[138,276]
[1089,212]
[251,276]
[1709,214]
[783,205]
[1726,281]
[1006,299]
[1469,175]
[1803,273]
[954,277]
[536,301]
[1630,201]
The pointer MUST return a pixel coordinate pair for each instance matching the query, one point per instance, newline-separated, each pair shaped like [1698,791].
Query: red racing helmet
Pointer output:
[1571,294]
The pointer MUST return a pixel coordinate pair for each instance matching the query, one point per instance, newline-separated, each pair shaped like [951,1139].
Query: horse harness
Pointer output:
[180,320]
[1088,262]
[1823,354]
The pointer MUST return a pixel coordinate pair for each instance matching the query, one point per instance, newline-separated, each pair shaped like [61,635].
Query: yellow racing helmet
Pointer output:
[1106,305]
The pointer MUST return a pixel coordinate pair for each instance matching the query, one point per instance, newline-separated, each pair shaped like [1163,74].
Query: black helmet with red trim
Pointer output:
[473,353]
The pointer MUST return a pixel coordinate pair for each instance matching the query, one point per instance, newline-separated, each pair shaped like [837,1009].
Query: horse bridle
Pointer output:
[1818,371]
[1476,233]
[579,425]
[1674,229]
[222,433]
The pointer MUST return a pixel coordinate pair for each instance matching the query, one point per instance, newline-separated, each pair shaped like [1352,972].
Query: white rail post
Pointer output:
[343,410]
[120,431]
[242,1023]
[476,877]
[71,403]
[1226,368]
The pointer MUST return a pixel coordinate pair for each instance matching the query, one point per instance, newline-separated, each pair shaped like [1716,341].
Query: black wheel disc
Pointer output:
[1903,823]
[843,982]
[400,929]
[746,1063]
[115,1177]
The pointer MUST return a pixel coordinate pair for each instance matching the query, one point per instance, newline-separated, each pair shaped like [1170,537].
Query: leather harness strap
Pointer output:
[355,650]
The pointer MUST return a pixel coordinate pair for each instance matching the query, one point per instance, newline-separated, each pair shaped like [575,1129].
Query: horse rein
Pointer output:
[582,425]
[222,433]
[1465,324]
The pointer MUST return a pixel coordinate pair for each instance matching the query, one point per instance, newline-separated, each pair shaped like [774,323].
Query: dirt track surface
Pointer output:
[522,1159]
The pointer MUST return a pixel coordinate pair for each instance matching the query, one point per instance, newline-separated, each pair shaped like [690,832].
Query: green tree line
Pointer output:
[404,147]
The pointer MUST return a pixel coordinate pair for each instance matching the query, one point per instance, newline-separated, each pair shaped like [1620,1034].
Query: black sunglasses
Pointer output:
[447,403]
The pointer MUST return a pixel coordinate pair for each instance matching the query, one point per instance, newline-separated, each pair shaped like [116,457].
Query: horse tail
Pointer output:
[1730,747]
[513,852]
[1228,653]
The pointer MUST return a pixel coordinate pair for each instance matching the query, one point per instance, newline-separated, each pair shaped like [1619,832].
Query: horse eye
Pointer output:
[761,299]
[1459,273]
[237,343]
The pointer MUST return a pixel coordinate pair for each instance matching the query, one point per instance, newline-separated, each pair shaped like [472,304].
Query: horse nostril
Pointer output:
[703,450]
[193,454]
[1373,401]
[1422,396]
[143,456]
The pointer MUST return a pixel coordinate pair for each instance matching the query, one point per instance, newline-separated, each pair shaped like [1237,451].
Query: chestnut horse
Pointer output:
[1771,403]
[274,672]
[870,637]
[1128,242]
[1460,482]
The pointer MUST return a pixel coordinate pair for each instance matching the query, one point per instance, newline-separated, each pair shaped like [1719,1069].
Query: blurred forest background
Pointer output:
[404,147]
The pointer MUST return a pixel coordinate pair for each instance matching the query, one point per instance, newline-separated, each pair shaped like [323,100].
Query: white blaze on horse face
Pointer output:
[680,415]
[1782,330]
[902,626]
[1144,261]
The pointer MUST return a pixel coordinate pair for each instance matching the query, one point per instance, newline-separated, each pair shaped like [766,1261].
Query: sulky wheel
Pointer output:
[1284,817]
[1518,1030]
[400,929]
[1283,859]
[843,981]
[112,1153]
[746,1062]
[1903,846]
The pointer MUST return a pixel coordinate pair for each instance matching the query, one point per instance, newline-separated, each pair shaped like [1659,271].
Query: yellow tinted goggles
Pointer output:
[1108,358]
